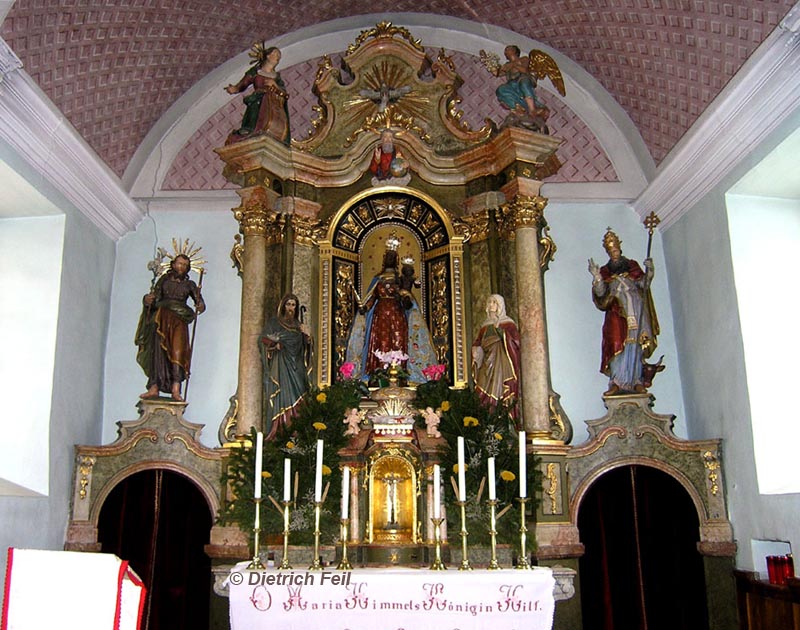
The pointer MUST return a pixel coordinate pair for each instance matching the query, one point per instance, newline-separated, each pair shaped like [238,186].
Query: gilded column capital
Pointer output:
[522,212]
[253,219]
[525,211]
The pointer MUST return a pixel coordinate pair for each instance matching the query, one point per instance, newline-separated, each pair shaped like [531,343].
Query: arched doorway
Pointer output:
[641,569]
[159,521]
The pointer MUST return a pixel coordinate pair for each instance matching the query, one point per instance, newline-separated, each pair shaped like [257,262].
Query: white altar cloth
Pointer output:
[70,589]
[391,599]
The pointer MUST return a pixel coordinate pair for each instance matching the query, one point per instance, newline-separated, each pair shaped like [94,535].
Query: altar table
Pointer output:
[391,599]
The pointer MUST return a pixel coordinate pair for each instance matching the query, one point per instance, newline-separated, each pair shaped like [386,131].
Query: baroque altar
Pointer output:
[465,207]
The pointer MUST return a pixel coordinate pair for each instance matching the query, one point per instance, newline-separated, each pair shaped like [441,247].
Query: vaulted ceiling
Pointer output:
[113,67]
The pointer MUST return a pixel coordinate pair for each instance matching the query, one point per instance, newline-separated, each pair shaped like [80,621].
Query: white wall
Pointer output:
[30,285]
[88,259]
[712,358]
[765,238]
[216,351]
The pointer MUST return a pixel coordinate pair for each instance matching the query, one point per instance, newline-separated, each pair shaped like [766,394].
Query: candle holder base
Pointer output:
[316,565]
[437,564]
[465,565]
[522,561]
[344,564]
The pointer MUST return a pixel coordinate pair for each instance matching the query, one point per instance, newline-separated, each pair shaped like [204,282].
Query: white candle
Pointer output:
[287,479]
[462,482]
[492,489]
[318,478]
[259,460]
[437,488]
[346,492]
[523,470]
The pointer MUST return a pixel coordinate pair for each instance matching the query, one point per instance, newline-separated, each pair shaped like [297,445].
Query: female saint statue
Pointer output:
[286,348]
[495,357]
[266,110]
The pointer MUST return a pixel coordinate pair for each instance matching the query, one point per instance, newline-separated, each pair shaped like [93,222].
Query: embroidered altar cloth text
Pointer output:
[374,599]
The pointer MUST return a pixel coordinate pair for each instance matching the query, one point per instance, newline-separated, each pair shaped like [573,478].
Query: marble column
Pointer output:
[525,215]
[256,222]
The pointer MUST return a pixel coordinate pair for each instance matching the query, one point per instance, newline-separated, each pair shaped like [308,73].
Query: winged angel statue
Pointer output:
[518,93]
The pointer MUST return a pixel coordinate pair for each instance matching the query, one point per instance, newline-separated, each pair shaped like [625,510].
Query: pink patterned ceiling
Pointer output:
[113,67]
[197,167]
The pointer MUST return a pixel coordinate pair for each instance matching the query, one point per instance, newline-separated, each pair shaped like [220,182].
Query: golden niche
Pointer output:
[393,504]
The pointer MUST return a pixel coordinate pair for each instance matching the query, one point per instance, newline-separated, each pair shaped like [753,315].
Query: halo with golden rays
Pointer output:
[182,247]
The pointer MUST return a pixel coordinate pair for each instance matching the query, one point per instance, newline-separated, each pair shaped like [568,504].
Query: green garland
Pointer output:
[320,416]
[486,433]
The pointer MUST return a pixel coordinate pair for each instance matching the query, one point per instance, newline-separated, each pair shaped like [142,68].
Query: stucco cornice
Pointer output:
[41,135]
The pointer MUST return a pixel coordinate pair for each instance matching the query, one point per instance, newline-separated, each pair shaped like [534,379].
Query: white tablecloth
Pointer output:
[391,599]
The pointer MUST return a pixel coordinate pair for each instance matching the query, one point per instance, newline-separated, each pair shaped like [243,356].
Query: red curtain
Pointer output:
[159,521]
[641,569]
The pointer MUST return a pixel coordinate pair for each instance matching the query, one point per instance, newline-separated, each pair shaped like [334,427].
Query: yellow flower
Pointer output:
[469,421]
[498,437]
[322,397]
[325,470]
[290,445]
[455,468]
[266,474]
[320,426]
[507,475]
[445,405]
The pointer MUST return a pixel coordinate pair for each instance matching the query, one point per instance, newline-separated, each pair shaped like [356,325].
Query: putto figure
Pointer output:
[266,107]
[622,290]
[162,335]
[495,357]
[286,350]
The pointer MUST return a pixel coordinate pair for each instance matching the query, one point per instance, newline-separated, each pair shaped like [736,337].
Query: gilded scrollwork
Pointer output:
[552,490]
[345,308]
[384,29]
[560,426]
[308,231]
[711,463]
[389,118]
[547,248]
[85,465]
[441,309]
[473,227]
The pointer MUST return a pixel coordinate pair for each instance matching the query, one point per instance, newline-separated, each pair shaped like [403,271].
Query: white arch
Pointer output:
[613,128]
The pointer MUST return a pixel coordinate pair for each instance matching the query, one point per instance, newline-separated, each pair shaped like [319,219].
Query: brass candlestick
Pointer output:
[437,564]
[285,561]
[465,566]
[256,563]
[316,565]
[522,562]
[344,565]
[493,566]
